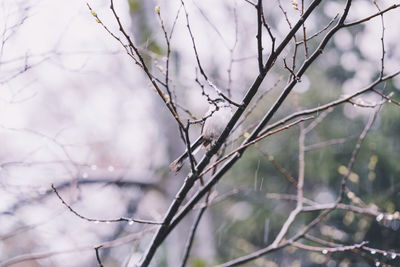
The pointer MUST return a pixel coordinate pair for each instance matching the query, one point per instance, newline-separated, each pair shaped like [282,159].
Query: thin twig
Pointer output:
[350,24]
[330,104]
[97,249]
[188,149]
[259,36]
[382,40]
[202,72]
[304,32]
[255,104]
[320,31]
[300,184]
[326,250]
[190,240]
[273,39]
[331,142]
[47,254]
[280,169]
[129,220]
[132,50]
[242,147]
[318,120]
[387,97]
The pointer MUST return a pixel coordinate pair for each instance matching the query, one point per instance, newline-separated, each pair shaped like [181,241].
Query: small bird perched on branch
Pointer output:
[216,119]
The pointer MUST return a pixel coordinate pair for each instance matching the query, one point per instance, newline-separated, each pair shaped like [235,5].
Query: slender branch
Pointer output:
[320,31]
[300,193]
[280,169]
[387,97]
[318,120]
[330,104]
[329,143]
[273,39]
[40,255]
[326,250]
[131,50]
[291,197]
[242,147]
[251,3]
[350,24]
[48,254]
[373,251]
[304,33]
[122,219]
[188,149]
[382,40]
[365,211]
[167,41]
[259,36]
[255,104]
[97,249]
[355,153]
[190,240]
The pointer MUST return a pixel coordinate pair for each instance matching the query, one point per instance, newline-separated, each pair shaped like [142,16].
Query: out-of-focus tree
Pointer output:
[303,172]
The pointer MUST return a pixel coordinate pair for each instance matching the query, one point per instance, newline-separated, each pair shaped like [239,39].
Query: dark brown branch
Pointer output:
[190,240]
[304,33]
[97,249]
[255,104]
[251,3]
[122,219]
[259,36]
[320,31]
[132,50]
[253,142]
[188,149]
[202,72]
[382,40]
[371,17]
[273,39]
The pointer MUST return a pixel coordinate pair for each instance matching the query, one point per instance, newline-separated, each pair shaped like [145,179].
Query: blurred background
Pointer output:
[77,112]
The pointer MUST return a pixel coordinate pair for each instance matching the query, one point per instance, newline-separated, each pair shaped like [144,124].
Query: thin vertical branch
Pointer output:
[300,184]
[202,72]
[259,36]
[382,40]
[304,32]
[355,153]
[231,51]
[300,180]
[189,150]
[190,240]
[97,249]
[273,39]
[167,41]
